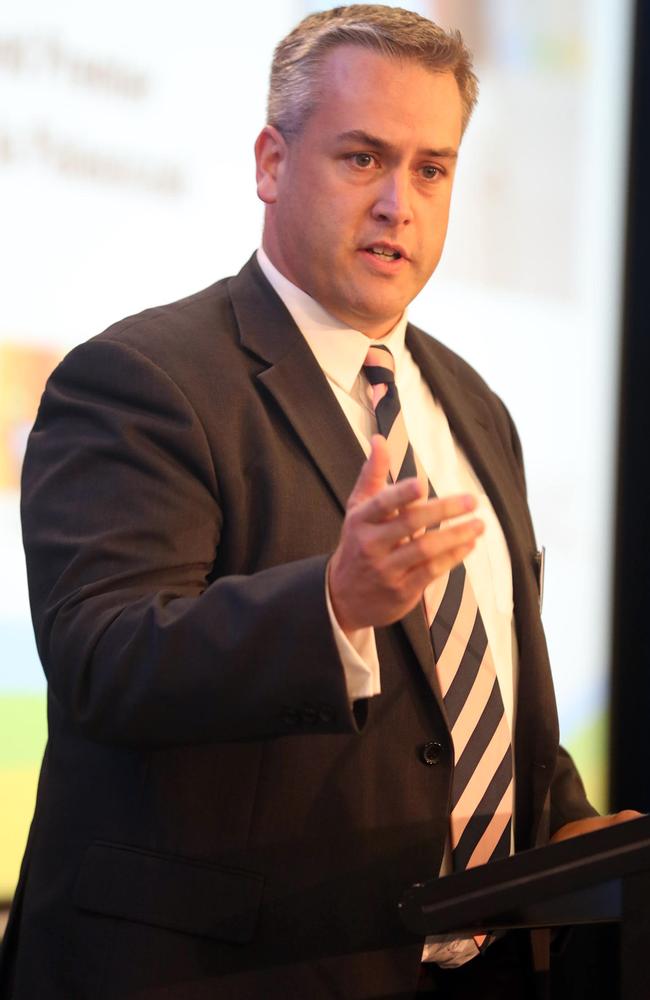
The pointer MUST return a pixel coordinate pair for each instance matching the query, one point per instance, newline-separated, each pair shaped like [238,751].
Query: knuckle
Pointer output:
[385,501]
[351,503]
[412,520]
[351,510]
[434,567]
[365,545]
[420,547]
[428,544]
[351,515]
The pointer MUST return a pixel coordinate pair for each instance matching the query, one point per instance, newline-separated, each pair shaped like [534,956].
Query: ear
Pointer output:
[271,152]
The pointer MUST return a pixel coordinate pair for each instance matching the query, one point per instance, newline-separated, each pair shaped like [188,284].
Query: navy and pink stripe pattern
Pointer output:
[482,786]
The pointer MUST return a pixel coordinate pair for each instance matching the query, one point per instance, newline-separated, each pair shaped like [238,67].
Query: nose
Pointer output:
[393,202]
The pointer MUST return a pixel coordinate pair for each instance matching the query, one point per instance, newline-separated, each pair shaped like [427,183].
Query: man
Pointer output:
[249,755]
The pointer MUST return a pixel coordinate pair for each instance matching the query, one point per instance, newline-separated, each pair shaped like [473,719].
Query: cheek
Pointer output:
[327,232]
[437,231]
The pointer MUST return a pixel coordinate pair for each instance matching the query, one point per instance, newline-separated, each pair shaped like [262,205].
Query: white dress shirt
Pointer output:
[341,352]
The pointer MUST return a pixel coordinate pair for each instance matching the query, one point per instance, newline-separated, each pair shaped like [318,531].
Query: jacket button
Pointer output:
[291,717]
[430,753]
[310,715]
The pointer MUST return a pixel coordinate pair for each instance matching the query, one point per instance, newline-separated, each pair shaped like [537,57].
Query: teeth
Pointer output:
[390,254]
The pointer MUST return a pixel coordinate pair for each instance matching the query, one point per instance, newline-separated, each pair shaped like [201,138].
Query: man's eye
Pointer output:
[363,160]
[430,172]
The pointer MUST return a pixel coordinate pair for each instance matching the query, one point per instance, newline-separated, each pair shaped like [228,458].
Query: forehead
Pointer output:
[359,89]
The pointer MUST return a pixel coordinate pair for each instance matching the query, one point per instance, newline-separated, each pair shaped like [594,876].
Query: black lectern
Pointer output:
[601,877]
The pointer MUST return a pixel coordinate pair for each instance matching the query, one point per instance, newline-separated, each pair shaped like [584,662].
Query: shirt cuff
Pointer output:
[358,653]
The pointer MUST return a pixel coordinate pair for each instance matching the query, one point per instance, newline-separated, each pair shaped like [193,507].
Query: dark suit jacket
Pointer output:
[212,818]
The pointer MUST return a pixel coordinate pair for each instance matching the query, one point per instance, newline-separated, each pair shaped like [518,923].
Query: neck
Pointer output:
[373,329]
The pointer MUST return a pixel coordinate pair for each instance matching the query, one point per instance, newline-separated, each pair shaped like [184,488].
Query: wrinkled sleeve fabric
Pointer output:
[568,797]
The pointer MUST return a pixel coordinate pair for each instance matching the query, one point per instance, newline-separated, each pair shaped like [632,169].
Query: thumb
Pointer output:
[374,472]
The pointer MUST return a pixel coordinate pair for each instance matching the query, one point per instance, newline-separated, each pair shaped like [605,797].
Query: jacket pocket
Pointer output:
[166,891]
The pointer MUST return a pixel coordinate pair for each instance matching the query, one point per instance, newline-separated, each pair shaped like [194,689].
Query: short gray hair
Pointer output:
[390,31]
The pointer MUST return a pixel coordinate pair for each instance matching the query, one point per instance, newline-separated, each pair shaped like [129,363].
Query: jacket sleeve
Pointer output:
[568,797]
[121,523]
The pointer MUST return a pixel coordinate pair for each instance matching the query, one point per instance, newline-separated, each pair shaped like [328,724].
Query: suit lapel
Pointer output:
[293,377]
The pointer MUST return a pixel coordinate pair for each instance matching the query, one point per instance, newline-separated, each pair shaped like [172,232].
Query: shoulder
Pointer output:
[187,357]
[189,343]
[223,331]
[186,326]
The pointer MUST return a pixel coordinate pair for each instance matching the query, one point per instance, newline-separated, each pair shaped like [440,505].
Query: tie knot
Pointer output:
[379,366]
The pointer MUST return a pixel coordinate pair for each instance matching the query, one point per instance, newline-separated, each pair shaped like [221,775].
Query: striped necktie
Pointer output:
[482,785]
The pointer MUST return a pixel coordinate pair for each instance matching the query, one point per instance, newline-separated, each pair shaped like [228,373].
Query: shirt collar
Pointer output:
[339,349]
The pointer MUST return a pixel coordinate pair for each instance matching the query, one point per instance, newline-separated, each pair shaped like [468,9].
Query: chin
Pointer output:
[386,318]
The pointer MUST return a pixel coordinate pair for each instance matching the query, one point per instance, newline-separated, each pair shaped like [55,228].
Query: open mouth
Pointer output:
[382,251]
[385,254]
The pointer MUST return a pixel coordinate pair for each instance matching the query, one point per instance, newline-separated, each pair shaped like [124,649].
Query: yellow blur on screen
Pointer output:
[23,729]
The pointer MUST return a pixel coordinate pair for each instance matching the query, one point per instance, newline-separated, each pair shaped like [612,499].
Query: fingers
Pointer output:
[578,827]
[397,518]
[420,575]
[387,553]
[372,586]
[436,551]
[374,472]
[626,815]
[382,502]
[404,518]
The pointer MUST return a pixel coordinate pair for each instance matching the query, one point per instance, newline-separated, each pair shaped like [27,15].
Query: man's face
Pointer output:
[358,203]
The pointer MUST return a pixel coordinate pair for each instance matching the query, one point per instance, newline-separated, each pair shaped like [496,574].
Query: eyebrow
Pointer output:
[374,142]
